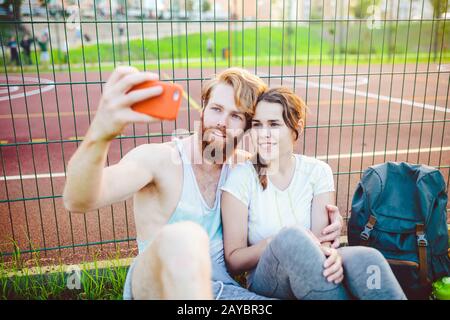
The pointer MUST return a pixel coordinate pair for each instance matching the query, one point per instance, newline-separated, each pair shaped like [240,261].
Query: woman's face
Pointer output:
[270,134]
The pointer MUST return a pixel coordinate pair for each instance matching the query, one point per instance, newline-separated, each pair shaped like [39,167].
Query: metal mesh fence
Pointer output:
[375,75]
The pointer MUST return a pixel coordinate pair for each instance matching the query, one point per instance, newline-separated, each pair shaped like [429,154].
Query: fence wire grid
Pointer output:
[374,74]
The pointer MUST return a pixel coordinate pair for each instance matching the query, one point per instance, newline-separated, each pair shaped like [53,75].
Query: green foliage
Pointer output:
[360,8]
[206,6]
[96,283]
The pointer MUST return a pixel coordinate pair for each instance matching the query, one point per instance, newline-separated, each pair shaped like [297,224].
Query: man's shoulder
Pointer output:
[151,152]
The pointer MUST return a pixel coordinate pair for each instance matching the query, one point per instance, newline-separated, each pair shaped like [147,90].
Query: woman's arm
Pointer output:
[319,220]
[239,257]
[319,213]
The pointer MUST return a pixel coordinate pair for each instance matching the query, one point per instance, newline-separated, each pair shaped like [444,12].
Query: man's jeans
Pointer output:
[291,267]
[224,287]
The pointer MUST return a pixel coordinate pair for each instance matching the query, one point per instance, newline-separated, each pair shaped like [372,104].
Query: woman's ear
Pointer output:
[301,124]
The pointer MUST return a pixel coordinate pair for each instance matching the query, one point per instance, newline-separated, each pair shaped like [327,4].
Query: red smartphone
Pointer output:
[166,105]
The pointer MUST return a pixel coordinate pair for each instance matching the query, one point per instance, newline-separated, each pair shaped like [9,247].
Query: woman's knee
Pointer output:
[361,257]
[292,241]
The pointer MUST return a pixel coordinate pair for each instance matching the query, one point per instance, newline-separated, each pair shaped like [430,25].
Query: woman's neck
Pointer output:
[282,165]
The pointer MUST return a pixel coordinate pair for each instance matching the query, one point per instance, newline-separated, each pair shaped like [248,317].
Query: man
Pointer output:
[209,46]
[26,45]
[175,186]
[43,42]
[12,44]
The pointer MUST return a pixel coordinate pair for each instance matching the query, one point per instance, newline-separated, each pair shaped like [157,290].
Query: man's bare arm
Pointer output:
[89,185]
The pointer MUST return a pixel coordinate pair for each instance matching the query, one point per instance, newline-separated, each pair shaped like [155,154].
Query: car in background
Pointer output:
[168,15]
[135,13]
[36,11]
[209,15]
[5,12]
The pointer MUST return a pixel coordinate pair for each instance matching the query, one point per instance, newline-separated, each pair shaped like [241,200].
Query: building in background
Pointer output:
[235,9]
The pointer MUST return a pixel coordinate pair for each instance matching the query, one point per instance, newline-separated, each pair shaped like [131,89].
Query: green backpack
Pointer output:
[400,209]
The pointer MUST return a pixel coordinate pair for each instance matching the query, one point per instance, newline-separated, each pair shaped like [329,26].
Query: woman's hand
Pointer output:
[332,232]
[333,265]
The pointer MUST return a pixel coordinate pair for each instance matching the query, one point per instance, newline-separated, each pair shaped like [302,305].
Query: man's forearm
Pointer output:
[84,173]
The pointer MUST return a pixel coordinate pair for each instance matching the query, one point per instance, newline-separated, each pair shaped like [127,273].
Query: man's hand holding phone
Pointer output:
[115,108]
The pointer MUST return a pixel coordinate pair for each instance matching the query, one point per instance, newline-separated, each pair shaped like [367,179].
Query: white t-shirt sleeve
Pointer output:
[324,179]
[239,183]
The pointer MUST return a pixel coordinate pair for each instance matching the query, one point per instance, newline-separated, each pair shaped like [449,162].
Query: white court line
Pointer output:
[33,176]
[43,89]
[369,95]
[381,153]
[9,90]
[324,157]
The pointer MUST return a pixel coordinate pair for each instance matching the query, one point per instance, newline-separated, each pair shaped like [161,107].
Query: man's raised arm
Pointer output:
[89,185]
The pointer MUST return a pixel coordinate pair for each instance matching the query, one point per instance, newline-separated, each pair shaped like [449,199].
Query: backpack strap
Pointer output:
[365,234]
[422,244]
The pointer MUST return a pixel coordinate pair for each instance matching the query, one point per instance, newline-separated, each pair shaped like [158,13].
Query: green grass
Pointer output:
[315,44]
[40,283]
[264,42]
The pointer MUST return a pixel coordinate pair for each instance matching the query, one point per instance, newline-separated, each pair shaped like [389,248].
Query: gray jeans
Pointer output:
[226,288]
[291,267]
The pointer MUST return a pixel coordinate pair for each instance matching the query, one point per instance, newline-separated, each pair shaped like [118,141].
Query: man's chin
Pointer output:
[217,150]
[218,141]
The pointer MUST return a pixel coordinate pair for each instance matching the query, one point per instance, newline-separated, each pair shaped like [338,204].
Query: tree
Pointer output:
[9,29]
[15,5]
[206,6]
[189,5]
[440,7]
[361,8]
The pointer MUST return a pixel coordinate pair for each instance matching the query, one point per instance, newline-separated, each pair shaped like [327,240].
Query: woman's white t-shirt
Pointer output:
[271,209]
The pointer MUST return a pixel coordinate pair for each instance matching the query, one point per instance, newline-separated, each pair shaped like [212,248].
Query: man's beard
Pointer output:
[217,152]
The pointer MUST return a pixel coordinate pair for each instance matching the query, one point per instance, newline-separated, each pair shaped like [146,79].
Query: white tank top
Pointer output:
[192,207]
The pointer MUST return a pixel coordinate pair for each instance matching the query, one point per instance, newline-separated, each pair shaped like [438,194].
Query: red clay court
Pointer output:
[358,117]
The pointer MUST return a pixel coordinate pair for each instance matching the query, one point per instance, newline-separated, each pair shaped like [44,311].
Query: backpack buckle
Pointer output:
[421,240]
[365,234]
[420,234]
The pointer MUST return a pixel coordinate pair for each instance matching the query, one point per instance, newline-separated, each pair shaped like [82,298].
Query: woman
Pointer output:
[273,209]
